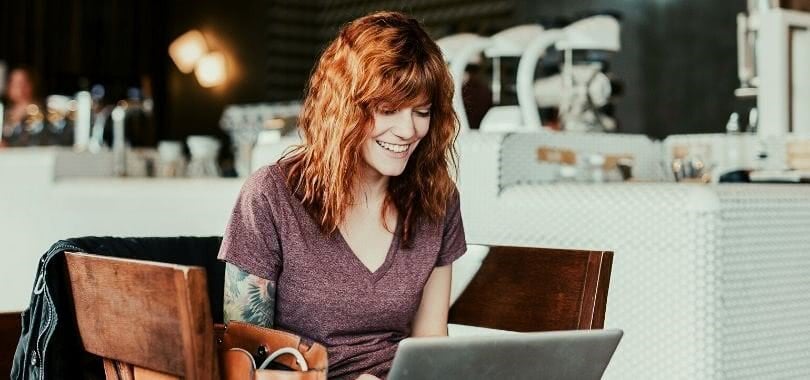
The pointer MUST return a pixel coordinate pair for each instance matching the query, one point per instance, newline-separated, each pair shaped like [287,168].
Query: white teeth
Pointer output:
[393,147]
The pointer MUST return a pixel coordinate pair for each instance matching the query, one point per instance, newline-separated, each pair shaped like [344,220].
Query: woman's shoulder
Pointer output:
[453,200]
[269,180]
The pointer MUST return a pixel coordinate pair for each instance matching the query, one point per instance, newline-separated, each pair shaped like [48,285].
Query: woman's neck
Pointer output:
[371,188]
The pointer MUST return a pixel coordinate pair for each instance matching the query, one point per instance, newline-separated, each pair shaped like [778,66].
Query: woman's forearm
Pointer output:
[431,317]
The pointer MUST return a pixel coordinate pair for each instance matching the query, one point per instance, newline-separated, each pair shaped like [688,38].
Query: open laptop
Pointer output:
[558,355]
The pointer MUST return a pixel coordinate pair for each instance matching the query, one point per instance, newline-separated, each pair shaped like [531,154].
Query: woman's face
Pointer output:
[394,138]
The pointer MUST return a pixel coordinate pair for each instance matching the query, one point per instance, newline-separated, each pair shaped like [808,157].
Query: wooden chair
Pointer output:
[10,328]
[536,289]
[148,320]
[151,320]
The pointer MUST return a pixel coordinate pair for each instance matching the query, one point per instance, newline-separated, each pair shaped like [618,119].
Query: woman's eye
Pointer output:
[388,112]
[422,113]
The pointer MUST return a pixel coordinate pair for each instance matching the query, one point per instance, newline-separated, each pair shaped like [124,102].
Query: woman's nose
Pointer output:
[404,127]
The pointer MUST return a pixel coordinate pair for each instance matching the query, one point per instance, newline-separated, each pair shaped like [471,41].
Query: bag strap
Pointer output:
[286,351]
[252,361]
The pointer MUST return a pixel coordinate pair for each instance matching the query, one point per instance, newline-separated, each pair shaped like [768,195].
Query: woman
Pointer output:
[21,96]
[348,240]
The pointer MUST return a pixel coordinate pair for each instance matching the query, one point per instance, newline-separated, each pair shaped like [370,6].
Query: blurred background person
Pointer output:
[22,107]
[476,93]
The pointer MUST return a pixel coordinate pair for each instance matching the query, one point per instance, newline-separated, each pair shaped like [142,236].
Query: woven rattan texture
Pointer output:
[709,281]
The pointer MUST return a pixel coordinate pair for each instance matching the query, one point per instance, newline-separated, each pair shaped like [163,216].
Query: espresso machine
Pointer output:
[579,90]
[773,56]
[583,86]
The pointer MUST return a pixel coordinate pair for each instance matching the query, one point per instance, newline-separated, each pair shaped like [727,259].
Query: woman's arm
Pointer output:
[431,317]
[248,298]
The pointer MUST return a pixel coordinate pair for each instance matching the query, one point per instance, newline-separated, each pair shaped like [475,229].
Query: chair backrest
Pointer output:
[148,320]
[537,289]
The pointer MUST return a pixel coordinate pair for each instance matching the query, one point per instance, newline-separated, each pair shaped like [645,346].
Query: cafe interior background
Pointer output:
[674,133]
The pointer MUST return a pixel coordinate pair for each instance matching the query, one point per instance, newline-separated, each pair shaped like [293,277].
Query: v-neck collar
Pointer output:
[375,275]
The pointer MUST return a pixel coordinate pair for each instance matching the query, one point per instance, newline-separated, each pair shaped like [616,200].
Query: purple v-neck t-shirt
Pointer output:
[323,291]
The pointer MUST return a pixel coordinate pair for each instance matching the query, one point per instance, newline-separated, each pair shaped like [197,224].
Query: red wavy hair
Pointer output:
[382,59]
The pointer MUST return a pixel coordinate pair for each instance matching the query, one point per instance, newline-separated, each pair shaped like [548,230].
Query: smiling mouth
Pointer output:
[396,148]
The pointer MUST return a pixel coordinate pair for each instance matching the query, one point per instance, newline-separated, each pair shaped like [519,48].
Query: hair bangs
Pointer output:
[407,86]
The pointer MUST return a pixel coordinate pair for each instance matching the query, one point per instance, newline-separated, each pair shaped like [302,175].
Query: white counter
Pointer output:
[708,282]
[36,210]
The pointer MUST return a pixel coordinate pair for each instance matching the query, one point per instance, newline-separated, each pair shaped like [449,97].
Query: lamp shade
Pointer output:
[187,49]
[210,70]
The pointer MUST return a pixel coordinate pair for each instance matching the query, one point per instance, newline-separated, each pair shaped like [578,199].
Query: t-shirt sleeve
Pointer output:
[251,240]
[454,243]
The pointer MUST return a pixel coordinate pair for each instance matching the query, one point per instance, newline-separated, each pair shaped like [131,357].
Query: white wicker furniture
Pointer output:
[709,281]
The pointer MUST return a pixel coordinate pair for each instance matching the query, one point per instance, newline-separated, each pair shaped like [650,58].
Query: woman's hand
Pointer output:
[366,376]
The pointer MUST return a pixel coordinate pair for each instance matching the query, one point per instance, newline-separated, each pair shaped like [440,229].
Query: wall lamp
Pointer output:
[190,53]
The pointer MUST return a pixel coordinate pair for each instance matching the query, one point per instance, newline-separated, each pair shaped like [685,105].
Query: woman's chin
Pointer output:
[393,169]
[392,172]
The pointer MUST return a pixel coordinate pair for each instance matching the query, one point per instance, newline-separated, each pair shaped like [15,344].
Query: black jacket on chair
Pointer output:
[49,346]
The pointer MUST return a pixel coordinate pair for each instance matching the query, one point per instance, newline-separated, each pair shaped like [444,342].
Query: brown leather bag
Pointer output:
[245,350]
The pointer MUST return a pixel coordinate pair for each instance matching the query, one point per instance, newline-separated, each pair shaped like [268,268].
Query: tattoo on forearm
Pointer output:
[248,298]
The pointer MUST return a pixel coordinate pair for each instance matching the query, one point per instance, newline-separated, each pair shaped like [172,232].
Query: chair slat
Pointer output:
[147,314]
